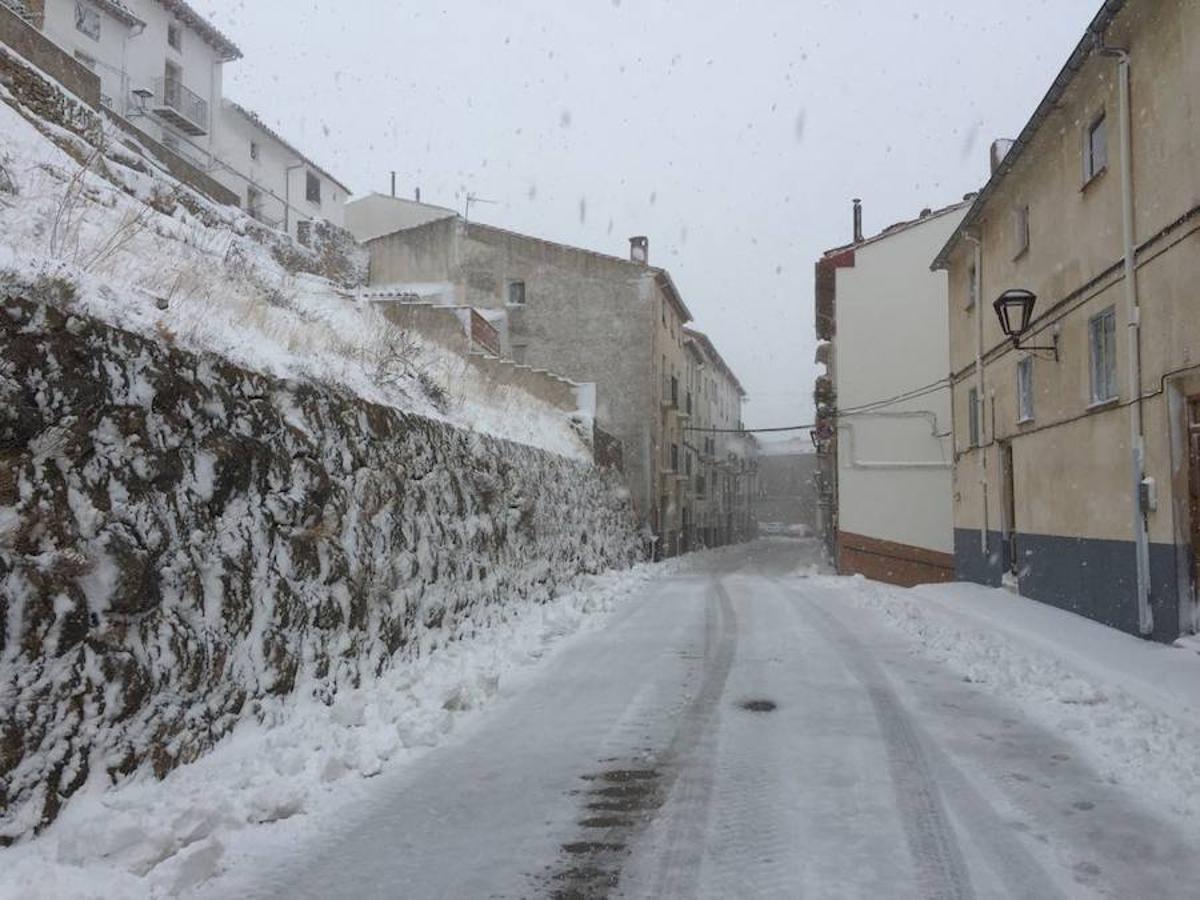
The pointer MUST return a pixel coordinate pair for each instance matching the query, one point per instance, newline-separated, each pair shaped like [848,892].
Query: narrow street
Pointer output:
[738,732]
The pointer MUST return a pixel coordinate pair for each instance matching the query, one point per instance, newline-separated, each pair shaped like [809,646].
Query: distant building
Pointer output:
[1077,475]
[616,322]
[375,215]
[721,459]
[786,490]
[885,402]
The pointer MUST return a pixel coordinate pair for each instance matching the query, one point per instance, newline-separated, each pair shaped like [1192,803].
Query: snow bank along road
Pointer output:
[738,731]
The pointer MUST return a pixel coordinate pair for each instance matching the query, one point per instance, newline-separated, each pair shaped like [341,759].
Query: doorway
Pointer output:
[1009,505]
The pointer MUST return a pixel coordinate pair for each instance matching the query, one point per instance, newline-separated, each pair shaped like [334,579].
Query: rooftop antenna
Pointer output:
[471,198]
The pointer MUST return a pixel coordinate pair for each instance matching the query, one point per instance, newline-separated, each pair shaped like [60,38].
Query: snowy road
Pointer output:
[741,733]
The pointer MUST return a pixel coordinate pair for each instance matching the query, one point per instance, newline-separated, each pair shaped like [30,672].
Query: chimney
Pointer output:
[858,232]
[1000,150]
[393,183]
[418,195]
[639,249]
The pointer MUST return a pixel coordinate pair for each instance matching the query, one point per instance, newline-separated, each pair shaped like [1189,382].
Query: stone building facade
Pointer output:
[1077,457]
[722,458]
[617,322]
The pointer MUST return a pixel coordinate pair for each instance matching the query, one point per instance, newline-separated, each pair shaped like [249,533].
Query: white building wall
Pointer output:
[270,175]
[200,62]
[895,464]
[375,215]
[108,52]
[132,58]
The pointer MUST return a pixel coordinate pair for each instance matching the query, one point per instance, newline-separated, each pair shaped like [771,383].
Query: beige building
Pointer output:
[1077,456]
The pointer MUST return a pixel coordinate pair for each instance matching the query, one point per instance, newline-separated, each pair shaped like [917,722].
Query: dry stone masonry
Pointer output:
[180,538]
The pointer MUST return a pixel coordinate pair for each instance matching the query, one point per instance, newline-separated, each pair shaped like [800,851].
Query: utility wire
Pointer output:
[932,388]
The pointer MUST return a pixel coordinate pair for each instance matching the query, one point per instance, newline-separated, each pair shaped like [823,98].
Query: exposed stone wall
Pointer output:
[28,42]
[180,537]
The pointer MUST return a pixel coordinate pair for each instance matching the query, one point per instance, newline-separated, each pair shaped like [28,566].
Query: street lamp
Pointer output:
[1014,309]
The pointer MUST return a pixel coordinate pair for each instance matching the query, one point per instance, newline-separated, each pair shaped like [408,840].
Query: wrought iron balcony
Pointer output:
[179,106]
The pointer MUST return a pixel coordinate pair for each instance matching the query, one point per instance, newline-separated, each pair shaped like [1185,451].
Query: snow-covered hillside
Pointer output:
[148,254]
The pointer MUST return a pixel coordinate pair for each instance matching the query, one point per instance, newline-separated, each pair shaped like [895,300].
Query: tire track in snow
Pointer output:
[937,858]
[681,776]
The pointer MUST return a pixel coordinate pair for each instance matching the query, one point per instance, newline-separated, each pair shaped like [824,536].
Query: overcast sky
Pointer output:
[733,134]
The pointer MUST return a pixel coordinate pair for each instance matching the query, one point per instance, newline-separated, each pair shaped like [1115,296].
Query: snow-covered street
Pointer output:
[741,729]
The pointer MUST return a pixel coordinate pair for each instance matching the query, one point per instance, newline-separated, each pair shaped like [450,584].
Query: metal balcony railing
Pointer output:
[183,108]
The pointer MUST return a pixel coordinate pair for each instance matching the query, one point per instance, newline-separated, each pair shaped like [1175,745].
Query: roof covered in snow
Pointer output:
[257,122]
[210,33]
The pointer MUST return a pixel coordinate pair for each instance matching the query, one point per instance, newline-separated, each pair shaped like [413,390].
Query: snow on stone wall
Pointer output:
[180,537]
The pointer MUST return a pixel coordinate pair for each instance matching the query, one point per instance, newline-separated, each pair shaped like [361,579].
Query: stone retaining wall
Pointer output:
[180,537]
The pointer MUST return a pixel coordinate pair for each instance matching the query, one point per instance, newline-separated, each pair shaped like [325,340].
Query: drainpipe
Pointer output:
[977,249]
[1136,434]
[287,195]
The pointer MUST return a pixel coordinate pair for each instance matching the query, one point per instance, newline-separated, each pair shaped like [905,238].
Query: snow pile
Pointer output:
[148,254]
[1132,706]
[271,783]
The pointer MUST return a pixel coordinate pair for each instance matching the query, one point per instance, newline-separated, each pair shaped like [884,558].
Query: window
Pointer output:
[1095,150]
[175,35]
[254,202]
[1020,230]
[312,188]
[1102,339]
[973,417]
[971,286]
[516,293]
[254,149]
[1025,390]
[87,19]
[674,461]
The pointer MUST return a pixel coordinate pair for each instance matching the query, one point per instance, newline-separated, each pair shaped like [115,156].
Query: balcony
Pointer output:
[175,104]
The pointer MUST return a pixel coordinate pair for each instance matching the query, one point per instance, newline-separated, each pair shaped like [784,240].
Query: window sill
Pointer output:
[1096,176]
[1102,404]
[1028,420]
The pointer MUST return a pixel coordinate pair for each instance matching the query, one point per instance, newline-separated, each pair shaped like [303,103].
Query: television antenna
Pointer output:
[472,198]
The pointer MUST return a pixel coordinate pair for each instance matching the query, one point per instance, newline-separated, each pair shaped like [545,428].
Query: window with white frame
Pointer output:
[175,35]
[1095,149]
[973,418]
[1102,341]
[1020,230]
[516,293]
[312,188]
[1025,390]
[87,19]
[972,286]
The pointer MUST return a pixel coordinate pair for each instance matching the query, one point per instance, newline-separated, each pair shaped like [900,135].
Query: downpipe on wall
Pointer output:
[977,250]
[1137,455]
